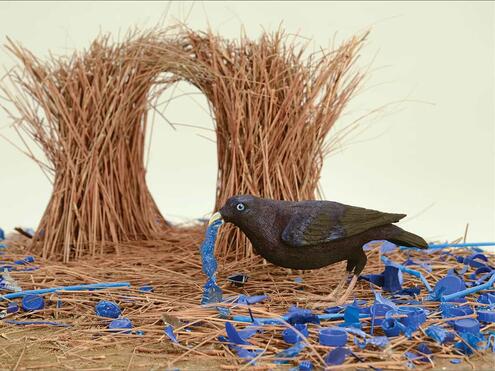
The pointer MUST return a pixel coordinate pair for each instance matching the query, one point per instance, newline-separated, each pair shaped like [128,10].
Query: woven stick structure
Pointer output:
[273,109]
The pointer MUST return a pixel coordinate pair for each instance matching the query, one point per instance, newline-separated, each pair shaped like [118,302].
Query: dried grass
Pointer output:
[172,267]
[273,108]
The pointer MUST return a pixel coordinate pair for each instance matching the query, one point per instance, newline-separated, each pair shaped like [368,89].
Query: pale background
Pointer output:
[428,153]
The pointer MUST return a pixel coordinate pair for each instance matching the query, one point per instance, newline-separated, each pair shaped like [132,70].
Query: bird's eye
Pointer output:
[240,206]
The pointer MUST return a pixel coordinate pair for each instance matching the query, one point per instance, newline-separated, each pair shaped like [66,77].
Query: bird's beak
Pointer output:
[215,217]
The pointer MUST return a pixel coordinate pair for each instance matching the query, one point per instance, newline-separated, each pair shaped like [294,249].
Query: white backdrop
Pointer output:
[428,152]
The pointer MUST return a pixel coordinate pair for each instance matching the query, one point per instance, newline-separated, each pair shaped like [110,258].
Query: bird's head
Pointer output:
[241,210]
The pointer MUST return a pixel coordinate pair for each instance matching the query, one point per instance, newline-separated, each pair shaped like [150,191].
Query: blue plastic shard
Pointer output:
[89,287]
[301,315]
[337,356]
[469,343]
[243,299]
[391,279]
[108,309]
[169,331]
[439,334]
[233,335]
[412,272]
[351,316]
[424,265]
[211,291]
[305,366]
[146,288]
[26,260]
[27,323]
[334,309]
[375,279]
[223,312]
[455,361]
[289,353]
[470,290]
[424,349]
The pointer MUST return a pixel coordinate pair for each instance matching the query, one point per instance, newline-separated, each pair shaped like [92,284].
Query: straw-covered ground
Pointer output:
[172,267]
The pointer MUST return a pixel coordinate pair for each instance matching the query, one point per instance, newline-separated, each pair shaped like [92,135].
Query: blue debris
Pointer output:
[424,349]
[486,315]
[455,361]
[139,332]
[223,312]
[335,309]
[107,309]
[471,290]
[448,285]
[375,279]
[469,342]
[290,336]
[391,327]
[450,310]
[415,316]
[332,336]
[26,260]
[146,288]
[232,334]
[301,315]
[337,356]
[27,323]
[351,316]
[290,353]
[439,334]
[120,324]
[32,303]
[211,292]
[404,269]
[391,280]
[305,366]
[12,307]
[487,298]
[169,331]
[470,325]
[298,280]
[243,299]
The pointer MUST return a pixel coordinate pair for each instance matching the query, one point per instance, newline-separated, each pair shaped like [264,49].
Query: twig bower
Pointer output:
[273,106]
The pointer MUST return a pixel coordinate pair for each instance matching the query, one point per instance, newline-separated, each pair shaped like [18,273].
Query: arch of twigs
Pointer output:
[273,107]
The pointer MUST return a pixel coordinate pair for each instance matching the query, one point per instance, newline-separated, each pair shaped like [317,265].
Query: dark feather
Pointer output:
[328,221]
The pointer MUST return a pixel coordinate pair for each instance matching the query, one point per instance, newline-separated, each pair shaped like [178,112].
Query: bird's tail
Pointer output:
[405,238]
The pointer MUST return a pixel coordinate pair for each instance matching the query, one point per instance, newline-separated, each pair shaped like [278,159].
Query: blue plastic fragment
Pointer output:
[448,285]
[32,302]
[12,307]
[337,356]
[27,323]
[404,269]
[305,366]
[424,349]
[139,332]
[470,325]
[455,361]
[26,260]
[391,280]
[289,353]
[335,309]
[89,287]
[378,312]
[332,336]
[301,315]
[211,291]
[120,324]
[487,298]
[486,315]
[291,337]
[415,316]
[233,335]
[375,279]
[299,280]
[470,290]
[469,342]
[107,309]
[146,288]
[351,316]
[169,331]
[439,334]
[391,327]
[450,310]
[243,299]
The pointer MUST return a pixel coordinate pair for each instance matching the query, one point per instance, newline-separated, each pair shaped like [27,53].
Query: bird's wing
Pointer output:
[330,221]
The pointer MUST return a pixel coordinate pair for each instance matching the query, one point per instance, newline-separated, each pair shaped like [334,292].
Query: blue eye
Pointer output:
[240,206]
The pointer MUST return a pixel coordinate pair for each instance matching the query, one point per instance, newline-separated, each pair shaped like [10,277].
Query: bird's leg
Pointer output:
[332,297]
[333,294]
[347,292]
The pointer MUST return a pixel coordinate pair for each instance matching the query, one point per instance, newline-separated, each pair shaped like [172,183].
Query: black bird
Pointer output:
[314,234]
